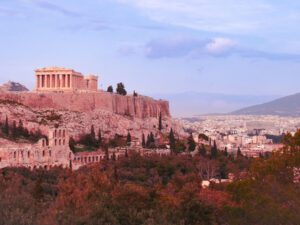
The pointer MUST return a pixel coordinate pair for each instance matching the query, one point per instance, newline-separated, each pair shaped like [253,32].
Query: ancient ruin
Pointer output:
[59,79]
[64,103]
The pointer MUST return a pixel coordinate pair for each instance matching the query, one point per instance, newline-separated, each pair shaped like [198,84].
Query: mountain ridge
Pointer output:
[285,106]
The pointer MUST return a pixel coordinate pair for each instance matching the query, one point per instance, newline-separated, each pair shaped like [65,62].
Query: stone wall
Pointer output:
[139,107]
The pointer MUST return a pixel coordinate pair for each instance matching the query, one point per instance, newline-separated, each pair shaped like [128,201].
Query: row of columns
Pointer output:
[54,81]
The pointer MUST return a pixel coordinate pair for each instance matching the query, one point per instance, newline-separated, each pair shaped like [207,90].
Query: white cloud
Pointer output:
[230,16]
[218,46]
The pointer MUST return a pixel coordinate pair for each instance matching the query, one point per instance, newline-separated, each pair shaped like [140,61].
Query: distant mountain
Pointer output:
[13,86]
[286,106]
[188,104]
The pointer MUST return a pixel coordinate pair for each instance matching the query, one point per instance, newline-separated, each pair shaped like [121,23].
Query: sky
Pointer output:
[242,47]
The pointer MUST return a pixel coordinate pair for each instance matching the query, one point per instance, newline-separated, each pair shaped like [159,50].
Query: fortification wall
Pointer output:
[140,107]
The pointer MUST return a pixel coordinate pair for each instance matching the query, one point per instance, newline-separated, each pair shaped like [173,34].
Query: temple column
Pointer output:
[48,81]
[51,86]
[54,76]
[71,81]
[37,81]
[41,80]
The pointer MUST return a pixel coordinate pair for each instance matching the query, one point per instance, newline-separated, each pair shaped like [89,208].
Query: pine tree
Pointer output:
[143,141]
[128,140]
[110,89]
[191,143]
[160,126]
[121,89]
[172,140]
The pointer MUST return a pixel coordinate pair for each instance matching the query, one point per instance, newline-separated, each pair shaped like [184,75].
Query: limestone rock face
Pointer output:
[77,122]
[13,86]
[137,107]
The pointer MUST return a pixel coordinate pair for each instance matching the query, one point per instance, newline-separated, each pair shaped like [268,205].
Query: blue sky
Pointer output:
[249,47]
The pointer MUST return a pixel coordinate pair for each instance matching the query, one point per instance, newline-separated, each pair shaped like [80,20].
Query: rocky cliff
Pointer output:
[138,107]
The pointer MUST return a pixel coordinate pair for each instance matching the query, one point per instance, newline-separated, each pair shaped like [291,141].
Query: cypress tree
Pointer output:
[20,130]
[160,127]
[99,138]
[172,140]
[128,140]
[6,127]
[226,152]
[239,152]
[14,130]
[72,144]
[143,141]
[214,151]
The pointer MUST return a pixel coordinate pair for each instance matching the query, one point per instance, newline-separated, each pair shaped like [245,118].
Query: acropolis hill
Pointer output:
[65,89]
[67,104]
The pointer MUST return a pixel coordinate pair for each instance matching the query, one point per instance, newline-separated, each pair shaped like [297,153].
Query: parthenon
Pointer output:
[59,79]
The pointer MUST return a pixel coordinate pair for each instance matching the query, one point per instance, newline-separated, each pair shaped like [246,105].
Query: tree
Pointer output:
[114,158]
[128,139]
[121,89]
[202,150]
[143,141]
[214,151]
[239,152]
[191,143]
[5,128]
[110,89]
[93,134]
[223,169]
[226,152]
[160,126]
[72,144]
[20,129]
[99,138]
[14,132]
[150,141]
[172,140]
